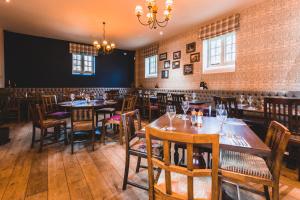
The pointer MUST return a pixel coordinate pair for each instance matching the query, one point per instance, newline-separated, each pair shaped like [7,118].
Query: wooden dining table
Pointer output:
[83,104]
[235,135]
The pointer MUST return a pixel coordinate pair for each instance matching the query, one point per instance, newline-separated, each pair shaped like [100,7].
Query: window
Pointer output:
[151,66]
[83,64]
[219,54]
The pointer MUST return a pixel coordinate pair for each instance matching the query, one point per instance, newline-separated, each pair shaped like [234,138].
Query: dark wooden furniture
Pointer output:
[148,106]
[244,168]
[111,95]
[38,121]
[162,102]
[82,126]
[229,103]
[13,107]
[134,145]
[50,107]
[177,100]
[127,105]
[176,182]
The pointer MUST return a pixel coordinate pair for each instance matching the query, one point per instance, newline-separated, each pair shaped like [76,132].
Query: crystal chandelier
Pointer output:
[104,47]
[152,20]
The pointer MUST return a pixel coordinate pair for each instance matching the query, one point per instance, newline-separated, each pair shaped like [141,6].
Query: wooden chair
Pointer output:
[13,107]
[111,95]
[177,100]
[230,104]
[82,126]
[176,182]
[51,109]
[162,102]
[127,105]
[244,168]
[276,109]
[148,107]
[38,121]
[135,145]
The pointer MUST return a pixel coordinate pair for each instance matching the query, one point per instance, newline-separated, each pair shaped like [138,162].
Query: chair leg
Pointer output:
[220,188]
[93,140]
[126,171]
[33,136]
[266,191]
[103,133]
[65,135]
[138,164]
[121,133]
[150,115]
[275,192]
[72,143]
[43,132]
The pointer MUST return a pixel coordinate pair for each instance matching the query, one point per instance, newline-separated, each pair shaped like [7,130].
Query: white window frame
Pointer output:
[148,66]
[223,66]
[85,65]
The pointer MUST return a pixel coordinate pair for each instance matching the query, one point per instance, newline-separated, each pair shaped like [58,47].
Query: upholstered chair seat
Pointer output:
[245,164]
[59,115]
[140,146]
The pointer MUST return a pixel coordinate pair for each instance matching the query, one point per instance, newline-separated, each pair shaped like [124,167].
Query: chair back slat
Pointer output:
[277,139]
[49,103]
[294,123]
[131,122]
[230,104]
[82,114]
[277,109]
[190,140]
[128,104]
[162,101]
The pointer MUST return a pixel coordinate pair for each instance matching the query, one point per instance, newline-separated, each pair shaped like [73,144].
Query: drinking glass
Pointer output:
[87,98]
[250,101]
[72,97]
[242,99]
[105,97]
[194,96]
[185,107]
[222,115]
[171,112]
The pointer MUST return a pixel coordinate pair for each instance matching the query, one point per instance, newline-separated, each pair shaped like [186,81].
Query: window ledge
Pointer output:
[219,69]
[151,76]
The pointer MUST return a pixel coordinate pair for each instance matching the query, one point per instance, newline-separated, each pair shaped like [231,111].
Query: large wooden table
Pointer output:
[211,125]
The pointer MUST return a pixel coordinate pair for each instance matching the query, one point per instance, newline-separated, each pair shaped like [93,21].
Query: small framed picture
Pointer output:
[165,74]
[195,57]
[188,69]
[191,47]
[163,56]
[176,55]
[167,64]
[176,64]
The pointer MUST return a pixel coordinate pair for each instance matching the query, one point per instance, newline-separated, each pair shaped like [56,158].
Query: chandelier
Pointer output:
[104,47]
[152,20]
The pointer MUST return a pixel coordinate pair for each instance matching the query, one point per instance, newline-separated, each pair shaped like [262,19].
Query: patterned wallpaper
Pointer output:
[268,53]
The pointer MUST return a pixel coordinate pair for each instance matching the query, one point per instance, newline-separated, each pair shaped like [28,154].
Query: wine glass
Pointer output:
[194,96]
[242,99]
[222,115]
[87,98]
[250,101]
[105,97]
[72,97]
[185,105]
[171,112]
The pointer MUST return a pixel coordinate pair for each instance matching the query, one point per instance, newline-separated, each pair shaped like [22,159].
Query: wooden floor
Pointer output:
[56,174]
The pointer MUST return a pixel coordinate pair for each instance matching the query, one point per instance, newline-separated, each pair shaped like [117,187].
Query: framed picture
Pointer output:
[167,64]
[176,64]
[163,56]
[165,74]
[191,47]
[195,57]
[176,55]
[188,69]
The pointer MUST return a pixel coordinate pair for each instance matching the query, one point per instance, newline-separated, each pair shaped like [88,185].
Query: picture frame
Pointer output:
[191,47]
[195,57]
[163,56]
[165,74]
[167,64]
[177,55]
[188,69]
[176,64]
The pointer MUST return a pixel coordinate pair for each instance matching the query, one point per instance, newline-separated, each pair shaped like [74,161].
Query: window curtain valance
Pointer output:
[83,49]
[150,50]
[220,27]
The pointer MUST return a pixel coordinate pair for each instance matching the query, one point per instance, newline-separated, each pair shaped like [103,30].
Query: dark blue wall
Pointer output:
[42,62]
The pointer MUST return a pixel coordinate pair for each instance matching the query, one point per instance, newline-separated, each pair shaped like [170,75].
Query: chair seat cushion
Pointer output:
[59,115]
[245,164]
[202,185]
[83,126]
[116,119]
[140,146]
[53,122]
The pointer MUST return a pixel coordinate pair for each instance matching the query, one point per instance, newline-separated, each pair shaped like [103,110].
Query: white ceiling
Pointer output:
[81,20]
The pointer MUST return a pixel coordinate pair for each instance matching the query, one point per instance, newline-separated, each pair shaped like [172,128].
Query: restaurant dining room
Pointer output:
[149,99]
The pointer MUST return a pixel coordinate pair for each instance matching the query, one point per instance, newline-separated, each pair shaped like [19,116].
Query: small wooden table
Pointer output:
[236,127]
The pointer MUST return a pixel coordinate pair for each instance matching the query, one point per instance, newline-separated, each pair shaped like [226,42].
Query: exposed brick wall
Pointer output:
[268,53]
